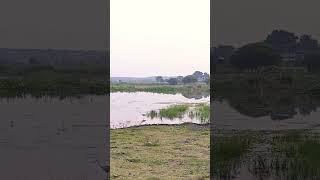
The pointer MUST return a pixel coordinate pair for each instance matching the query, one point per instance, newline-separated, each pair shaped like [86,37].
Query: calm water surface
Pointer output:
[227,117]
[130,109]
[49,138]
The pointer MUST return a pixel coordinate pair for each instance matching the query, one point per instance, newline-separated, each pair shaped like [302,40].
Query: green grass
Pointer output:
[227,153]
[144,88]
[288,154]
[51,83]
[160,152]
[174,111]
[202,111]
[296,155]
[155,88]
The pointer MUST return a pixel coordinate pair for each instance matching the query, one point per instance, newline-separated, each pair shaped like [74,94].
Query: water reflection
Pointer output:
[278,126]
[275,104]
[50,138]
[132,109]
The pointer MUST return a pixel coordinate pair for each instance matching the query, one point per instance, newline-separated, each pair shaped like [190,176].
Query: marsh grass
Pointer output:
[174,111]
[279,155]
[51,84]
[228,153]
[201,111]
[155,88]
[144,88]
[296,156]
[171,112]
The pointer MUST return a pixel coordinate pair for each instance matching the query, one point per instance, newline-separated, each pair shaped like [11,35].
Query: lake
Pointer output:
[226,116]
[130,109]
[50,138]
[282,138]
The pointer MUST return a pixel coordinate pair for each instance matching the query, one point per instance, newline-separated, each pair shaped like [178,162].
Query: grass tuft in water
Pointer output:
[228,153]
[174,111]
[202,111]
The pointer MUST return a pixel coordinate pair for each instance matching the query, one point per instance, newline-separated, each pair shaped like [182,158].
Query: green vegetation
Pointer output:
[166,89]
[160,152]
[254,56]
[51,83]
[175,111]
[189,91]
[202,111]
[296,155]
[144,88]
[53,87]
[227,153]
[277,155]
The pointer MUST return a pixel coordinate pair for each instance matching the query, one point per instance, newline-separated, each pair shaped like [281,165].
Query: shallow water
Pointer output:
[257,163]
[227,117]
[49,138]
[130,109]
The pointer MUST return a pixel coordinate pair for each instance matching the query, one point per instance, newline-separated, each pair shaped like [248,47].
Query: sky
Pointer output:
[159,37]
[55,24]
[240,22]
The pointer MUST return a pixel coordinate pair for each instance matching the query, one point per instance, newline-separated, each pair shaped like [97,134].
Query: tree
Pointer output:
[312,61]
[307,43]
[180,79]
[173,81]
[189,79]
[254,57]
[207,79]
[159,79]
[282,41]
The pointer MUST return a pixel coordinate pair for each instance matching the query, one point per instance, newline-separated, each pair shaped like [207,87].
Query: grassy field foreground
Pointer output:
[160,152]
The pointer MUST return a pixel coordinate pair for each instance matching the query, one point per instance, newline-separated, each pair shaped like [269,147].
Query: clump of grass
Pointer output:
[150,142]
[202,111]
[174,111]
[296,156]
[228,153]
[152,114]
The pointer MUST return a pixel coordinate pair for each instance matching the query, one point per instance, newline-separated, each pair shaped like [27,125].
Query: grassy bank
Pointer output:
[160,152]
[48,83]
[155,88]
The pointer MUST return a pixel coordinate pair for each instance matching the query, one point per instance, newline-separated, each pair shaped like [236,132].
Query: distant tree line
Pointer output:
[197,76]
[279,48]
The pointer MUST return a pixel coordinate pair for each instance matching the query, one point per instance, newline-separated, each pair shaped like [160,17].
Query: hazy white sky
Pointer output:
[159,37]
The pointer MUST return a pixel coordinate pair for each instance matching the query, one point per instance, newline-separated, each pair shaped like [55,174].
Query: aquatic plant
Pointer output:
[174,111]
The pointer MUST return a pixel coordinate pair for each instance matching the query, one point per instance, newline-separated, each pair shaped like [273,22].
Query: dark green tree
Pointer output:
[189,79]
[159,79]
[173,81]
[254,57]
